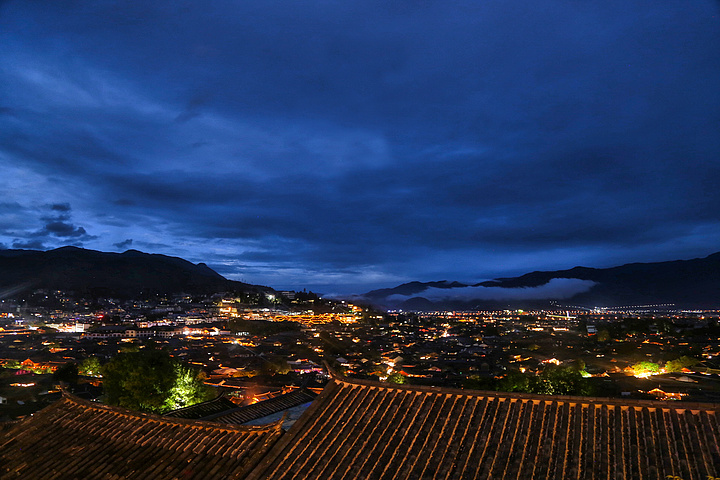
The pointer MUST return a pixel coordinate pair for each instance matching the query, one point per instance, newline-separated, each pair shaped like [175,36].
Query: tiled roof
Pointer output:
[364,430]
[263,409]
[75,439]
[201,410]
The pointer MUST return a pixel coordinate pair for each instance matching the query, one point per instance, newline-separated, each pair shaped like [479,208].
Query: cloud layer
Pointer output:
[363,143]
[555,289]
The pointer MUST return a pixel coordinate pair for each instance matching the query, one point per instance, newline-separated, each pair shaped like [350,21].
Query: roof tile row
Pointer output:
[370,430]
[365,430]
[77,439]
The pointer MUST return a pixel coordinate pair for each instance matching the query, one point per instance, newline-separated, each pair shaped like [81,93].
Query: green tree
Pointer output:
[150,380]
[645,367]
[397,378]
[677,365]
[559,380]
[13,364]
[553,380]
[90,366]
[514,381]
[188,388]
[578,364]
[603,335]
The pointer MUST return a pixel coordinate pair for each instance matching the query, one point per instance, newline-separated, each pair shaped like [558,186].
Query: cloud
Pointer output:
[63,229]
[555,289]
[405,139]
[29,244]
[56,227]
[61,207]
[124,244]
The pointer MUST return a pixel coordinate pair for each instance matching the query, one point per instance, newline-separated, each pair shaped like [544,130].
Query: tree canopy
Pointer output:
[90,366]
[679,364]
[553,380]
[150,380]
[646,367]
[67,373]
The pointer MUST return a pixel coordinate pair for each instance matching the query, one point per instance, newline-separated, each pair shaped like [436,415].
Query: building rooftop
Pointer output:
[265,408]
[217,405]
[73,438]
[361,429]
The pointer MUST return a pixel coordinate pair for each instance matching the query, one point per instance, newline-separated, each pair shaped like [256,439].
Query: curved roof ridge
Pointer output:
[79,402]
[523,396]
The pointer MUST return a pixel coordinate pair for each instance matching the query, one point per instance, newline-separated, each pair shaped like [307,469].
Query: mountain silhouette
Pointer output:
[684,283]
[90,272]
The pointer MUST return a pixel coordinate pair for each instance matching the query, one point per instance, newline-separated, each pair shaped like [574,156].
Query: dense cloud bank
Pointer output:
[555,289]
[363,143]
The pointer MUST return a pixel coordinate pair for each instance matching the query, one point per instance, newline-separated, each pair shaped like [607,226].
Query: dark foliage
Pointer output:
[67,373]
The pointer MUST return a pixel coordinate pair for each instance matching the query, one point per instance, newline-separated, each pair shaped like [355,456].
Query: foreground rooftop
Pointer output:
[365,429]
[362,429]
[73,438]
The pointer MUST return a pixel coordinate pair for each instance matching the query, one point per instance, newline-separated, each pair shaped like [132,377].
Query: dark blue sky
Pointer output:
[363,144]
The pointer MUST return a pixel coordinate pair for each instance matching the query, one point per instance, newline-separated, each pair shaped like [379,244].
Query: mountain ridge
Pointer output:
[127,274]
[693,283]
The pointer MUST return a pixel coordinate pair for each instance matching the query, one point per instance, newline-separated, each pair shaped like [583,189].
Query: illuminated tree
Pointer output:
[274,365]
[641,368]
[150,380]
[679,364]
[13,364]
[90,366]
[188,389]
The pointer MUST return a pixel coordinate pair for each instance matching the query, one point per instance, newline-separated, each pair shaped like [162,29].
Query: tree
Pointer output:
[397,378]
[641,368]
[273,365]
[578,364]
[90,366]
[13,364]
[603,335]
[557,380]
[514,381]
[67,373]
[679,364]
[151,381]
[553,380]
[188,388]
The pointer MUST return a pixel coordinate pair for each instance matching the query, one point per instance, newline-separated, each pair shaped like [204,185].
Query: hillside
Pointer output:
[95,273]
[684,283]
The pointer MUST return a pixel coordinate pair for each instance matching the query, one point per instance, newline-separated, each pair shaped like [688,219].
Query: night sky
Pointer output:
[344,146]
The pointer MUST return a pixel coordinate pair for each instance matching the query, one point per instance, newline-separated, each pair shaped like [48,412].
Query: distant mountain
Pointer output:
[685,283]
[95,273]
